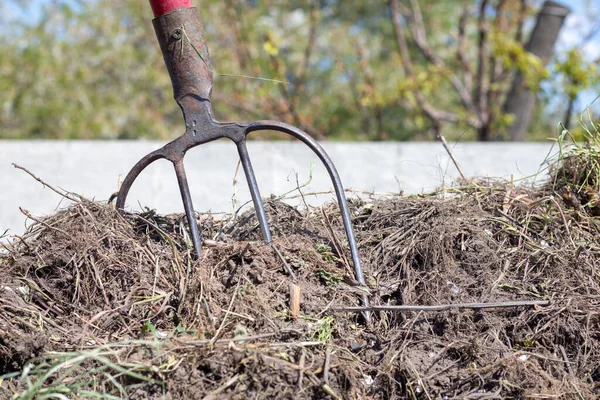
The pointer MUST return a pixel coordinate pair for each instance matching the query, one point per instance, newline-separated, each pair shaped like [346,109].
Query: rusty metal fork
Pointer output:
[181,36]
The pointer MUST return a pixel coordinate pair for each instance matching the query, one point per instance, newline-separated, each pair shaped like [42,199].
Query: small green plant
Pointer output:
[326,253]
[525,344]
[282,314]
[323,329]
[583,151]
[285,356]
[328,278]
[181,330]
[148,329]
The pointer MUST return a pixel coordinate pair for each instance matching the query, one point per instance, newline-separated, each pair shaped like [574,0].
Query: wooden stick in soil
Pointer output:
[295,293]
[445,307]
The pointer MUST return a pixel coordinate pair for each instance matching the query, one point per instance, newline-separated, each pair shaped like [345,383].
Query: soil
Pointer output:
[93,302]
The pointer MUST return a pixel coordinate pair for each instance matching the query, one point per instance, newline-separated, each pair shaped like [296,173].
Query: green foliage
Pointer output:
[577,74]
[513,55]
[148,329]
[329,278]
[180,329]
[88,71]
[326,253]
[92,69]
[323,329]
[90,373]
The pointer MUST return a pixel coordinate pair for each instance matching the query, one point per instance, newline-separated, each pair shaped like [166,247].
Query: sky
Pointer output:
[577,25]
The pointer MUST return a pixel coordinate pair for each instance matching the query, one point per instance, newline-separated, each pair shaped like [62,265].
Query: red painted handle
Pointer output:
[162,7]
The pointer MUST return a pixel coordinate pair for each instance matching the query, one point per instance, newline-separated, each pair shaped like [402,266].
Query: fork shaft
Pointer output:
[188,205]
[254,192]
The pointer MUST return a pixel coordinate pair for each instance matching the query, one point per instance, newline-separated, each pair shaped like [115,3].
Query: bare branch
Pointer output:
[300,84]
[241,49]
[401,39]
[417,27]
[445,307]
[436,116]
[353,86]
[497,70]
[499,27]
[289,105]
[521,21]
[442,139]
[60,192]
[252,109]
[461,53]
[482,64]
[370,84]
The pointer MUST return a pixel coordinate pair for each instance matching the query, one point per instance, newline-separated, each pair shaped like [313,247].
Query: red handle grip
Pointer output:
[162,7]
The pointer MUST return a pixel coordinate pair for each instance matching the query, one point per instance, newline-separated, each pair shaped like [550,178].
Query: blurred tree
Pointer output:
[575,72]
[85,70]
[489,50]
[577,75]
[332,54]
[520,100]
[93,69]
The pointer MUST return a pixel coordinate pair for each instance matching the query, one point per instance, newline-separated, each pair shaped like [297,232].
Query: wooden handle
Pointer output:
[162,7]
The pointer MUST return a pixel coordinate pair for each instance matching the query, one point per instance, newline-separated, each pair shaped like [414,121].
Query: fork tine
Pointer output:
[188,205]
[253,186]
[339,191]
[134,173]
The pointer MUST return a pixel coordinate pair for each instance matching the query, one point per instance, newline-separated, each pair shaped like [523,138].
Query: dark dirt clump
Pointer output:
[95,302]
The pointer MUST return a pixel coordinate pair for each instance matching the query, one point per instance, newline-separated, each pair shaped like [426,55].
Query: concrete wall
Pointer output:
[92,169]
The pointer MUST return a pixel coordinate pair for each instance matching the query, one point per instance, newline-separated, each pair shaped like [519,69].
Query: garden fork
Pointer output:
[181,38]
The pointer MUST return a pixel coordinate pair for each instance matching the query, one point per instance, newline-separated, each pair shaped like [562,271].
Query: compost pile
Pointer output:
[96,304]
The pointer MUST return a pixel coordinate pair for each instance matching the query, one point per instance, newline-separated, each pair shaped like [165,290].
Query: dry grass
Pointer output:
[97,304]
